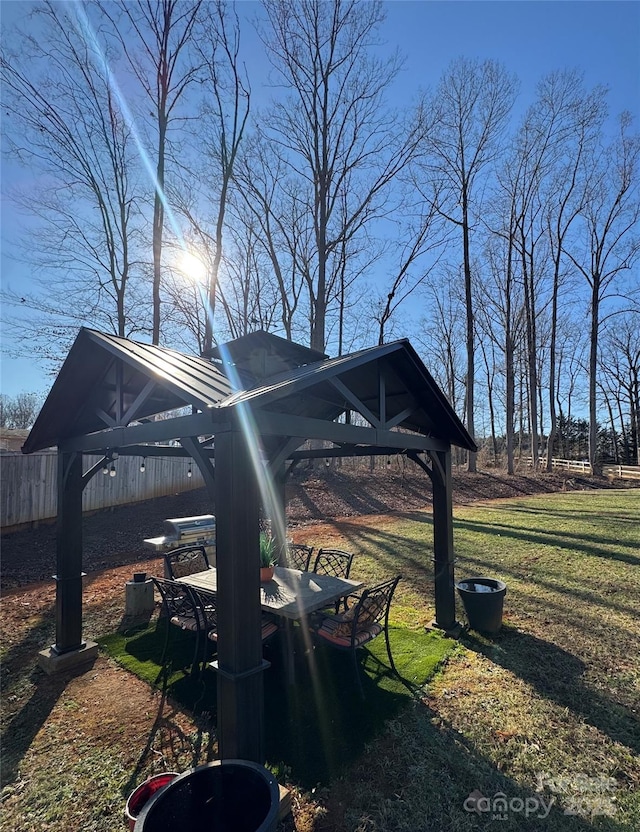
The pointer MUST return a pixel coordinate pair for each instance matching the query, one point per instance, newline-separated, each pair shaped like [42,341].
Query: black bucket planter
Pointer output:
[223,796]
[483,599]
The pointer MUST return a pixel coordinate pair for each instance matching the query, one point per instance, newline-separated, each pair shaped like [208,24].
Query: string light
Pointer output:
[105,469]
[142,465]
[326,461]
[112,470]
[388,462]
[189,471]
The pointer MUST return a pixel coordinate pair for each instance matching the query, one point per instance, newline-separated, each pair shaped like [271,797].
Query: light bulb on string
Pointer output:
[142,465]
[388,462]
[105,469]
[189,471]
[112,470]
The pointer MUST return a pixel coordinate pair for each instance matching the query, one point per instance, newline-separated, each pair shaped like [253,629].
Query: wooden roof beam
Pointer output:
[195,424]
[282,424]
[355,402]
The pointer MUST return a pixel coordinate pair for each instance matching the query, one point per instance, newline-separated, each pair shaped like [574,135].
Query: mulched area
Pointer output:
[115,537]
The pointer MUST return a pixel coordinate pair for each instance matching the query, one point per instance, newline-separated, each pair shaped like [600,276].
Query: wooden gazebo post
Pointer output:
[444,584]
[69,650]
[239,663]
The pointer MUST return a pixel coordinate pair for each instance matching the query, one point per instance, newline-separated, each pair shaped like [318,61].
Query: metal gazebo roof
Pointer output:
[107,382]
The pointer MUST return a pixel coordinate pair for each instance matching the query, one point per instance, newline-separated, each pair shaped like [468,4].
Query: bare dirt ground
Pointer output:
[115,537]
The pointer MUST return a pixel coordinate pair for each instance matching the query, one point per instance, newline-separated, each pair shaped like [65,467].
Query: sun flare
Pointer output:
[192,267]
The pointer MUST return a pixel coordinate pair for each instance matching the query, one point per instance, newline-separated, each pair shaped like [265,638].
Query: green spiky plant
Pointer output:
[268,555]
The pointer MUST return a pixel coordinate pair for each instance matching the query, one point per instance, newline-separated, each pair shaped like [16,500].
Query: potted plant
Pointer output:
[268,556]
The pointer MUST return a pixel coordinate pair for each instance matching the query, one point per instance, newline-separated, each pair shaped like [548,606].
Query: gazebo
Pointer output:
[248,410]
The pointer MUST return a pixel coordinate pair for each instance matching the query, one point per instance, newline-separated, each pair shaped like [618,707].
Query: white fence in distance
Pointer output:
[622,472]
[28,491]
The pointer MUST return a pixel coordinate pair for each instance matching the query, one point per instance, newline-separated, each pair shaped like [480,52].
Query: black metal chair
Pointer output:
[207,603]
[334,562]
[299,556]
[186,561]
[208,613]
[180,609]
[360,624]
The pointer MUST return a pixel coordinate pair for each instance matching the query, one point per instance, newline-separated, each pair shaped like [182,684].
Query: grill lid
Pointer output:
[179,528]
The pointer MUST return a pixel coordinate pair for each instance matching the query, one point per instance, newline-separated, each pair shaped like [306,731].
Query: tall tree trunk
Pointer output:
[158,226]
[593,361]
[468,297]
[532,373]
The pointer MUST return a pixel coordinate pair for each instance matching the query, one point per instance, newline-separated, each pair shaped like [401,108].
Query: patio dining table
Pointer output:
[291,594]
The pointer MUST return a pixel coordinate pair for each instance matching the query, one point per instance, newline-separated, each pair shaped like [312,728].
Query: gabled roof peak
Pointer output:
[261,354]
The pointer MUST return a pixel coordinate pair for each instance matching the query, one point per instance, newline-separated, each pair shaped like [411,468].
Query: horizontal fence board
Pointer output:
[622,472]
[29,484]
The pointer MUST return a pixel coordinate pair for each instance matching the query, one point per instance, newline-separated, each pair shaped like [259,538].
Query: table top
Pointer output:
[291,593]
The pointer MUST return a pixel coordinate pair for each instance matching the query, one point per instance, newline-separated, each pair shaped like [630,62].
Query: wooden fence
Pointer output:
[28,490]
[622,472]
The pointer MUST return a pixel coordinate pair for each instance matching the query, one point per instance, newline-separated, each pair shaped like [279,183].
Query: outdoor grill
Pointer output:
[186,531]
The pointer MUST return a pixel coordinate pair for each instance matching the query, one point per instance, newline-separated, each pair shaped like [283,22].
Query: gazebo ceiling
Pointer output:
[108,382]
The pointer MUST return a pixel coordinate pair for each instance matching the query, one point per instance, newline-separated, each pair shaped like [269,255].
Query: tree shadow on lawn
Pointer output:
[17,669]
[550,538]
[424,774]
[572,515]
[557,675]
[599,597]
[167,734]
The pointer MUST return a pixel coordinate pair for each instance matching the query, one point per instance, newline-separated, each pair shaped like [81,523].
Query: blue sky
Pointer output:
[530,38]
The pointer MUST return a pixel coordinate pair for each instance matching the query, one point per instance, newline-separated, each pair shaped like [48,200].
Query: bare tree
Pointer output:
[471,105]
[619,365]
[203,194]
[610,244]
[277,203]
[64,122]
[160,56]
[19,411]
[442,334]
[500,304]
[333,131]
[579,116]
[420,243]
[248,291]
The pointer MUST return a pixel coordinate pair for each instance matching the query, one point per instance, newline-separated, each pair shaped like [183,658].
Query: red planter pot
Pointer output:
[143,794]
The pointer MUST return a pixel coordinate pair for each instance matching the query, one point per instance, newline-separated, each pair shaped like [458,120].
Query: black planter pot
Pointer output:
[223,796]
[483,600]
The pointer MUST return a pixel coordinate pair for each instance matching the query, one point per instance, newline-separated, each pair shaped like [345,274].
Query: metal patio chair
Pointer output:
[186,561]
[207,603]
[180,609]
[299,556]
[334,562]
[360,624]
